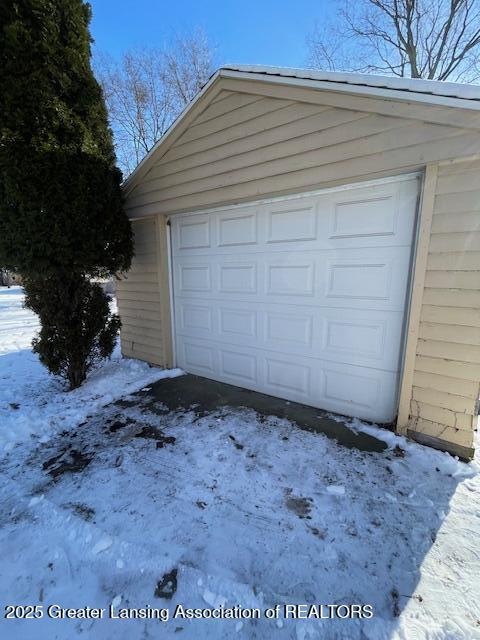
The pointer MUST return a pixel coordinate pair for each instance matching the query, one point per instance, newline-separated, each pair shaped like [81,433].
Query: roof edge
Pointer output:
[417,85]
[340,85]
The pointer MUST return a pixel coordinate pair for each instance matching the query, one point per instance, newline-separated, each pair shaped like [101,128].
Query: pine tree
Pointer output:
[61,212]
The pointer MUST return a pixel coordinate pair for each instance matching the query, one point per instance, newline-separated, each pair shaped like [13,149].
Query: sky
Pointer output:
[270,32]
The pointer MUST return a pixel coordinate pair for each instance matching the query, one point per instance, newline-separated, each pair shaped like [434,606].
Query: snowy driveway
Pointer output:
[233,509]
[248,511]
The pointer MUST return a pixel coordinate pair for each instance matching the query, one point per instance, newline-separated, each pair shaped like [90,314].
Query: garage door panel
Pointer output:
[360,341]
[359,279]
[228,363]
[237,323]
[292,222]
[381,220]
[194,233]
[291,277]
[363,338]
[237,278]
[195,318]
[239,365]
[293,330]
[365,279]
[195,278]
[351,218]
[350,388]
[372,213]
[323,243]
[198,357]
[237,229]
[302,298]
[291,377]
[364,393]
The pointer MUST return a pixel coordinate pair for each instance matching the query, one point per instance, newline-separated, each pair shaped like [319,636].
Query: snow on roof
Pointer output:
[431,87]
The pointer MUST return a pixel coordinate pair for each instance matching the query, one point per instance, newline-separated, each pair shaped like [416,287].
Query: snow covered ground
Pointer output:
[239,510]
[33,402]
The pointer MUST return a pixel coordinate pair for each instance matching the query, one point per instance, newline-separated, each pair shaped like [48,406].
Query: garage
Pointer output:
[314,236]
[301,297]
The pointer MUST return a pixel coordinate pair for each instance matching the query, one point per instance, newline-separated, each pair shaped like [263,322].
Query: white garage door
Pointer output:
[300,297]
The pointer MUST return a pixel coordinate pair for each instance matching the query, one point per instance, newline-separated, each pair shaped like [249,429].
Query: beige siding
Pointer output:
[263,141]
[413,110]
[447,367]
[138,294]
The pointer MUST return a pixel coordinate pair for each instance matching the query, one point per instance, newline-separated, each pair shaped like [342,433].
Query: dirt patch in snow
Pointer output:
[116,425]
[69,461]
[82,510]
[299,505]
[167,585]
[151,433]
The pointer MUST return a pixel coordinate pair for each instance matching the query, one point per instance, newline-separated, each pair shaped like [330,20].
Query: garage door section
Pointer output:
[301,297]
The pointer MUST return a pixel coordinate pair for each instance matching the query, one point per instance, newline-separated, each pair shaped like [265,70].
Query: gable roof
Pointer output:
[433,92]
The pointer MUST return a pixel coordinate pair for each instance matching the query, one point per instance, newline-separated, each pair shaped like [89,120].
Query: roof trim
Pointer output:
[459,90]
[432,92]
[360,88]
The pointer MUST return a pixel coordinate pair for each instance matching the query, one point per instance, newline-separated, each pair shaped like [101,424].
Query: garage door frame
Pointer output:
[418,174]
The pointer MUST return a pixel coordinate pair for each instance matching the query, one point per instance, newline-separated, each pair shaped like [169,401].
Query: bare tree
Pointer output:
[433,39]
[147,89]
[188,65]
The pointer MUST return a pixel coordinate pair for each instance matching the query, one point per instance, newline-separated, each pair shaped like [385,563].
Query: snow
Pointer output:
[43,407]
[288,518]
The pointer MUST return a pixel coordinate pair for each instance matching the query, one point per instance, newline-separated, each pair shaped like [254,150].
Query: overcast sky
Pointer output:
[244,31]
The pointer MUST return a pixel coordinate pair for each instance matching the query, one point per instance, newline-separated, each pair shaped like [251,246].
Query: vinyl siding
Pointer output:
[138,295]
[446,382]
[264,141]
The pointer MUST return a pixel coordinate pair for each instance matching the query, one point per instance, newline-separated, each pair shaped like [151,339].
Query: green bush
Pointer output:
[61,211]
[78,329]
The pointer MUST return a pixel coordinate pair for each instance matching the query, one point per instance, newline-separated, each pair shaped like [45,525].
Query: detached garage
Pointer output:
[315,236]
